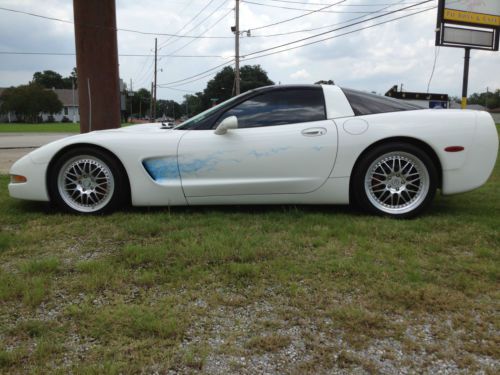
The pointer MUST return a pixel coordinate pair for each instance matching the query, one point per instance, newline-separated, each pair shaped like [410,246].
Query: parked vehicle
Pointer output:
[296,144]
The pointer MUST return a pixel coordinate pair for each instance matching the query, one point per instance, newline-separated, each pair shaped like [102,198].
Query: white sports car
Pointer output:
[306,144]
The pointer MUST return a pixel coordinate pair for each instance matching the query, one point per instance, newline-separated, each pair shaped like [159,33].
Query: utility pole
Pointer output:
[97,64]
[151,103]
[154,95]
[131,98]
[237,49]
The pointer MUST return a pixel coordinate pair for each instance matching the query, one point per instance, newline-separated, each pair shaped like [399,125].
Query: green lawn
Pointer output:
[281,289]
[40,128]
[55,127]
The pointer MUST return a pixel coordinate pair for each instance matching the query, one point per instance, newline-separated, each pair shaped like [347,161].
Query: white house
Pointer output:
[69,100]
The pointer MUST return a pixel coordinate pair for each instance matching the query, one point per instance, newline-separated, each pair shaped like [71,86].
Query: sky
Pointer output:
[375,59]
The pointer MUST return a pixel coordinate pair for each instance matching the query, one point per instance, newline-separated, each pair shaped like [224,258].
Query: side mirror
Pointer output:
[230,122]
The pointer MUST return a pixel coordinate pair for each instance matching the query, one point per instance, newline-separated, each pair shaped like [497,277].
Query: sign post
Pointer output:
[465,83]
[468,24]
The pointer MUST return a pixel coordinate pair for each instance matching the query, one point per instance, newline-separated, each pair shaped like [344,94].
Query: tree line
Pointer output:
[218,89]
[30,100]
[488,99]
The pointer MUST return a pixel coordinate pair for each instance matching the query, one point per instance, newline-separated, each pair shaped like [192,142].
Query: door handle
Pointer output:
[313,132]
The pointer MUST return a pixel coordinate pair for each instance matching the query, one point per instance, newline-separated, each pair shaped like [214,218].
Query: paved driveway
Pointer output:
[15,145]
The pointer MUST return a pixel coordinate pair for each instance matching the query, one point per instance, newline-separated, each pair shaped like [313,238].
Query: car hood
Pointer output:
[141,128]
[104,138]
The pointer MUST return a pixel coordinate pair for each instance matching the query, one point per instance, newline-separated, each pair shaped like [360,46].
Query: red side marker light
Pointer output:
[454,148]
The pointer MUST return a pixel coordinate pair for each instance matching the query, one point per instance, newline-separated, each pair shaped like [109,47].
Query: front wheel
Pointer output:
[86,180]
[395,179]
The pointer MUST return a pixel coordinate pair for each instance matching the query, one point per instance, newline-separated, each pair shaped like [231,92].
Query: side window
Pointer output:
[363,103]
[279,107]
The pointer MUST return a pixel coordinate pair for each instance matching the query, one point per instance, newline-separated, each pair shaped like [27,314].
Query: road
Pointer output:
[15,145]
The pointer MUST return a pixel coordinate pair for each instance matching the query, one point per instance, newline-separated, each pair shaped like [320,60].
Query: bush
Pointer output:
[65,119]
[50,118]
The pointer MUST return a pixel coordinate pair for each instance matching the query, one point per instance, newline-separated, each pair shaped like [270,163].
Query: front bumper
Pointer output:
[35,188]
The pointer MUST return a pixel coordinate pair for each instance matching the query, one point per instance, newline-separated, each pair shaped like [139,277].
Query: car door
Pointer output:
[283,144]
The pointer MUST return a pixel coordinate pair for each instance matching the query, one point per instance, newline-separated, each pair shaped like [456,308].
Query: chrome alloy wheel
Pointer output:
[397,182]
[85,183]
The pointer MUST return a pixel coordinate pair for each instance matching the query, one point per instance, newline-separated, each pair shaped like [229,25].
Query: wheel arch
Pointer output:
[413,141]
[93,146]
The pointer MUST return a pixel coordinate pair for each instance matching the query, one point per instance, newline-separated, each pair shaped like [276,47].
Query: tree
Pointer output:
[29,101]
[139,103]
[192,104]
[252,77]
[488,99]
[169,108]
[50,79]
[221,87]
[72,78]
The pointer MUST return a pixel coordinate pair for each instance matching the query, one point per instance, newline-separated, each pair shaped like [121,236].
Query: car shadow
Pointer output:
[248,209]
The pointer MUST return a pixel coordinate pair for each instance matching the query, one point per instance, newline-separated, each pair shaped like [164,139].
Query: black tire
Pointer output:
[87,180]
[394,179]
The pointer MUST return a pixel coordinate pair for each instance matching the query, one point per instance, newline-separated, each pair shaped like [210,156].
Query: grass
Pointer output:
[55,127]
[148,290]
[40,128]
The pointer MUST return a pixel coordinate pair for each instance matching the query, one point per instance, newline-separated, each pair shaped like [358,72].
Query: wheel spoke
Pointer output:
[387,197]
[378,184]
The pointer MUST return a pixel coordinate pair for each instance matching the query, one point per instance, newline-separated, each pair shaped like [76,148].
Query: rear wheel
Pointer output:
[395,179]
[87,181]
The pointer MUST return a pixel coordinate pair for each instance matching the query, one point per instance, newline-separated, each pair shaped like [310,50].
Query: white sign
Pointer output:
[491,7]
[473,12]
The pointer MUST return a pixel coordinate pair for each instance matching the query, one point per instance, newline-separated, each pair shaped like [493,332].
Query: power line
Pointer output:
[196,75]
[339,35]
[191,20]
[208,29]
[343,5]
[329,26]
[306,10]
[297,17]
[436,55]
[337,29]
[121,55]
[117,29]
[175,89]
[167,42]
[202,75]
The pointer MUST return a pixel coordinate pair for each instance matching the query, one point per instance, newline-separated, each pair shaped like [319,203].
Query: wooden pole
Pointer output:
[97,64]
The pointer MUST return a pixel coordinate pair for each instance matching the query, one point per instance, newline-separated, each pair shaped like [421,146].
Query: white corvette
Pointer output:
[306,144]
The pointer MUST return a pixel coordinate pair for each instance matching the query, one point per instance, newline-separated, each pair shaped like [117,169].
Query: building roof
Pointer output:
[64,95]
[408,95]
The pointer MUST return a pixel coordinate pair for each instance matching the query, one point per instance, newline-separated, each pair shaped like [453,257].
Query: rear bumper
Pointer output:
[480,160]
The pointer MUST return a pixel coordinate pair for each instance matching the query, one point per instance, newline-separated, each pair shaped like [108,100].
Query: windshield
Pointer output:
[195,120]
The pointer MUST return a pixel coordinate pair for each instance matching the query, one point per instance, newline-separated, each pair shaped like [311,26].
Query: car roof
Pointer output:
[284,87]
